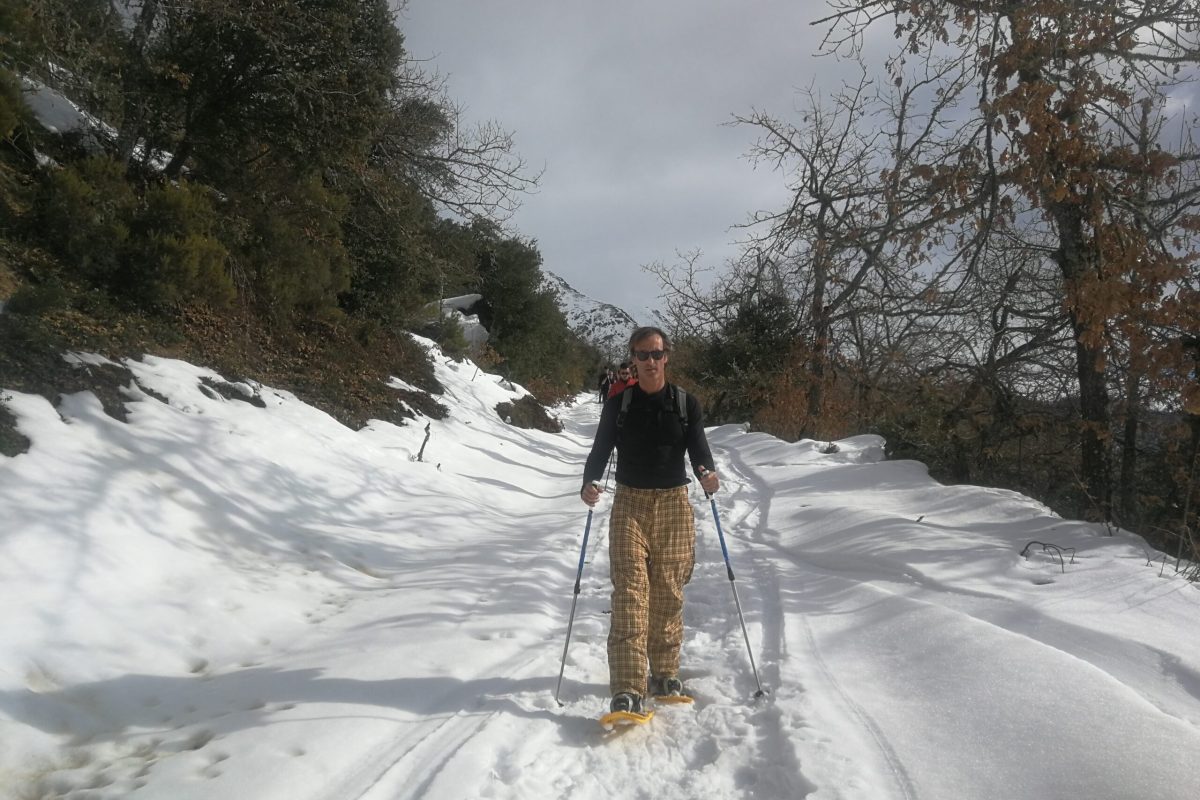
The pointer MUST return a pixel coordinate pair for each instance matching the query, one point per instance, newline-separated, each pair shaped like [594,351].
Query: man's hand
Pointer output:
[709,481]
[591,494]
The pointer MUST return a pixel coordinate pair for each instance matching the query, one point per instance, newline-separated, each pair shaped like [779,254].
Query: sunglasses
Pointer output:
[644,355]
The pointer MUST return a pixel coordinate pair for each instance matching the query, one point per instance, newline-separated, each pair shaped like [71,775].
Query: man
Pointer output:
[652,533]
[606,381]
[624,379]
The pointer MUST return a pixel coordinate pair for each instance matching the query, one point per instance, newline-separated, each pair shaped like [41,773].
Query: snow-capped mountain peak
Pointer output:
[602,324]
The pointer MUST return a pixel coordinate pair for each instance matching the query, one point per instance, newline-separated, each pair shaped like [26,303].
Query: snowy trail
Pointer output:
[492,742]
[747,502]
[725,747]
[876,628]
[221,600]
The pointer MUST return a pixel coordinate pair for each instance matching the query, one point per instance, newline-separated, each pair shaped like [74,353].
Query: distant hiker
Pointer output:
[624,379]
[652,533]
[606,381]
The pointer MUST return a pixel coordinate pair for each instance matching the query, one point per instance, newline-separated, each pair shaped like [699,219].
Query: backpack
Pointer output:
[680,407]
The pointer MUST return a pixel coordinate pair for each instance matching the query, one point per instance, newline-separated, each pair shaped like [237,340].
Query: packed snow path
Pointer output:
[221,600]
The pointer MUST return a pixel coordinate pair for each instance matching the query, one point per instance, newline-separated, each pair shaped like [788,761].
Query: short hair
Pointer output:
[624,365]
[646,331]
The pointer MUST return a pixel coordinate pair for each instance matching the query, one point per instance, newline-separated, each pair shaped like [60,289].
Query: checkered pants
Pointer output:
[652,549]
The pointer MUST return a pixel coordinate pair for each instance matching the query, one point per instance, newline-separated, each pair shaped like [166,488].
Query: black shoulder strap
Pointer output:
[626,398]
[681,406]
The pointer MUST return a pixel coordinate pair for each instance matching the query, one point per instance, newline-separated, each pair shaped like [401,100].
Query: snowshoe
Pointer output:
[626,709]
[668,690]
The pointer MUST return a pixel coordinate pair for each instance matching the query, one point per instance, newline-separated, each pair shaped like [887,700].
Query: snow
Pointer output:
[57,113]
[602,324]
[473,331]
[217,600]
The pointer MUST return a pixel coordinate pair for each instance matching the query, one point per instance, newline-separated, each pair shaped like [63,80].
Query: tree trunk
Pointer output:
[133,75]
[819,315]
[178,158]
[817,368]
[1128,489]
[1076,261]
[1095,469]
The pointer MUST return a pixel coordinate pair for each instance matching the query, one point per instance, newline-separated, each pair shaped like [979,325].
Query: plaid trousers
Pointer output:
[652,549]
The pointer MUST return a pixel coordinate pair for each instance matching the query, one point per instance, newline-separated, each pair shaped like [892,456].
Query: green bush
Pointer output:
[12,105]
[83,213]
[174,254]
[387,236]
[447,331]
[174,268]
[12,441]
[35,300]
[293,248]
[155,250]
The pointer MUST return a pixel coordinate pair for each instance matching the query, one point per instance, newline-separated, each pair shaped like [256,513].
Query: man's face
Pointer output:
[623,374]
[651,367]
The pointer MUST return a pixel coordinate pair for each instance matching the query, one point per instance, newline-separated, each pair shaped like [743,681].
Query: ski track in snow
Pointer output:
[752,498]
[1123,662]
[405,768]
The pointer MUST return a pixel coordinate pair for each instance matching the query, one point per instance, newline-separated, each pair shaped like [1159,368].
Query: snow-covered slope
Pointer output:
[218,600]
[602,324]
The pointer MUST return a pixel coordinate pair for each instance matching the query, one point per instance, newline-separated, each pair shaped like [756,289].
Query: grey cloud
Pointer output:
[624,104]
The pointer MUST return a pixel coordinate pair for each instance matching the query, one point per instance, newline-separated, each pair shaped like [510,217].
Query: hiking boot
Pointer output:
[627,701]
[666,687]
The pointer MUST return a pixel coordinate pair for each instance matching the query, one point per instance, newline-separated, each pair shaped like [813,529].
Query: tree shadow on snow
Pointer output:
[174,707]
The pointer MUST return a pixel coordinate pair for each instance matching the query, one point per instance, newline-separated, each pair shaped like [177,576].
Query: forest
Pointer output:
[274,188]
[988,255]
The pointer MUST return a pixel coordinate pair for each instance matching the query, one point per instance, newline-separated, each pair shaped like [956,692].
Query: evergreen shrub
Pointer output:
[174,254]
[293,248]
[37,299]
[12,105]
[82,214]
[447,331]
[12,441]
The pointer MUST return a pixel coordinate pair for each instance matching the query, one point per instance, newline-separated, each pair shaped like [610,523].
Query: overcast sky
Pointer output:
[624,104]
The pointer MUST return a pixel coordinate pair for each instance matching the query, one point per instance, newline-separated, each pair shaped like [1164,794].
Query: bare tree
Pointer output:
[1056,83]
[471,170]
[856,165]
[692,306]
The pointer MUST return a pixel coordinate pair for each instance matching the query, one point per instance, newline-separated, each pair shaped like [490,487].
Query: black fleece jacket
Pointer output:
[651,442]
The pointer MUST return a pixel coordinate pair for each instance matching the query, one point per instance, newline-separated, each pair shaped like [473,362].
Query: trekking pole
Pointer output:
[729,568]
[575,599]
